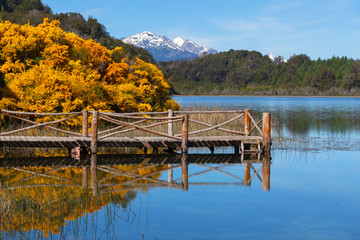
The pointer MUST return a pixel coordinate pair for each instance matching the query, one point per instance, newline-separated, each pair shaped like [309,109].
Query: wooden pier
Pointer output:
[245,134]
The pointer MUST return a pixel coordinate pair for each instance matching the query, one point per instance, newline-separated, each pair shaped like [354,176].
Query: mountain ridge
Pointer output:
[164,49]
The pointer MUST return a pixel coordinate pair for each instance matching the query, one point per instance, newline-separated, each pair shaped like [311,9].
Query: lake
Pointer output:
[309,189]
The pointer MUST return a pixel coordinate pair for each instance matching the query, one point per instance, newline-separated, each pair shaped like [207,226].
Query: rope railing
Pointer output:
[141,117]
[134,127]
[119,127]
[255,125]
[125,124]
[216,126]
[208,112]
[134,116]
[39,114]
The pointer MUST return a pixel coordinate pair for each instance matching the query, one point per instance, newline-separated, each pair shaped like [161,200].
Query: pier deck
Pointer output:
[142,122]
[139,142]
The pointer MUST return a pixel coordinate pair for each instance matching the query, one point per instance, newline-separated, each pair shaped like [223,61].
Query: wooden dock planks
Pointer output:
[125,142]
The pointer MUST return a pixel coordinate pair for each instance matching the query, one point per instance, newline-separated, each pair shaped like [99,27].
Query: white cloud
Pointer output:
[91,12]
[260,25]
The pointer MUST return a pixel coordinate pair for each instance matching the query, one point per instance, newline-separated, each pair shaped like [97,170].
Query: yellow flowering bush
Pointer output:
[46,69]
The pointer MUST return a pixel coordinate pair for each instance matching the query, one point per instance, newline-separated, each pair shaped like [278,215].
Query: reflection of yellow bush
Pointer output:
[50,70]
[47,207]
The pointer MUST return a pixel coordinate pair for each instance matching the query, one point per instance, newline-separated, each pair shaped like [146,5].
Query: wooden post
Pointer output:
[155,150]
[171,125]
[247,121]
[247,177]
[93,170]
[85,130]
[266,130]
[266,175]
[236,150]
[184,134]
[94,131]
[212,149]
[184,172]
[170,128]
[170,174]
[84,177]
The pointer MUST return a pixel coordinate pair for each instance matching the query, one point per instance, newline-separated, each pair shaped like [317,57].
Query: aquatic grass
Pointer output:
[25,217]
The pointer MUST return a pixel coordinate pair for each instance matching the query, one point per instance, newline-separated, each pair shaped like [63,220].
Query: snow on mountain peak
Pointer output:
[179,41]
[164,49]
[190,46]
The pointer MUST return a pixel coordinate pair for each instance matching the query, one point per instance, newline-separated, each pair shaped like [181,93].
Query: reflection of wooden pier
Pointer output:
[52,191]
[133,159]
[166,164]
[246,134]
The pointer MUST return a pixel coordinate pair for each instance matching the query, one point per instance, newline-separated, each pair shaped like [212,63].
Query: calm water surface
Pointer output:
[311,189]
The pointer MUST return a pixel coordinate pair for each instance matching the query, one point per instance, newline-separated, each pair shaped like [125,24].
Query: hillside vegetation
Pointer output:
[249,72]
[34,11]
[46,69]
[234,72]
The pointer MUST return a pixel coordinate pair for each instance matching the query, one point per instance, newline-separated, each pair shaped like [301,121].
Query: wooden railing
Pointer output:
[20,116]
[241,113]
[114,118]
[128,122]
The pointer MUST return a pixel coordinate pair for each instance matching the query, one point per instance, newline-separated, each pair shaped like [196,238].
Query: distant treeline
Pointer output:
[233,72]
[34,12]
[249,72]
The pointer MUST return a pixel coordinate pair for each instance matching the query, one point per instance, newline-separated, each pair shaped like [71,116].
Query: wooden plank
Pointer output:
[35,126]
[70,142]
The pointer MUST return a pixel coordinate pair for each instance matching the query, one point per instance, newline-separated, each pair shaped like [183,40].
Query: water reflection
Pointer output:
[296,115]
[40,196]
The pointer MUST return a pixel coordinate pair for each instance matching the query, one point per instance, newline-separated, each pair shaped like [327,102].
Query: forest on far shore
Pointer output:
[240,72]
[235,72]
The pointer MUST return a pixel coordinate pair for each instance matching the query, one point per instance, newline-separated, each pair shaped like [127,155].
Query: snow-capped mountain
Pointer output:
[190,46]
[165,49]
[276,59]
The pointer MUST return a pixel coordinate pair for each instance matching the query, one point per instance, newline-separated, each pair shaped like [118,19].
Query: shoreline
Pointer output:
[264,96]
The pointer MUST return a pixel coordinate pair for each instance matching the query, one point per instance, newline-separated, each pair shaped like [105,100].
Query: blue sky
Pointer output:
[318,28]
